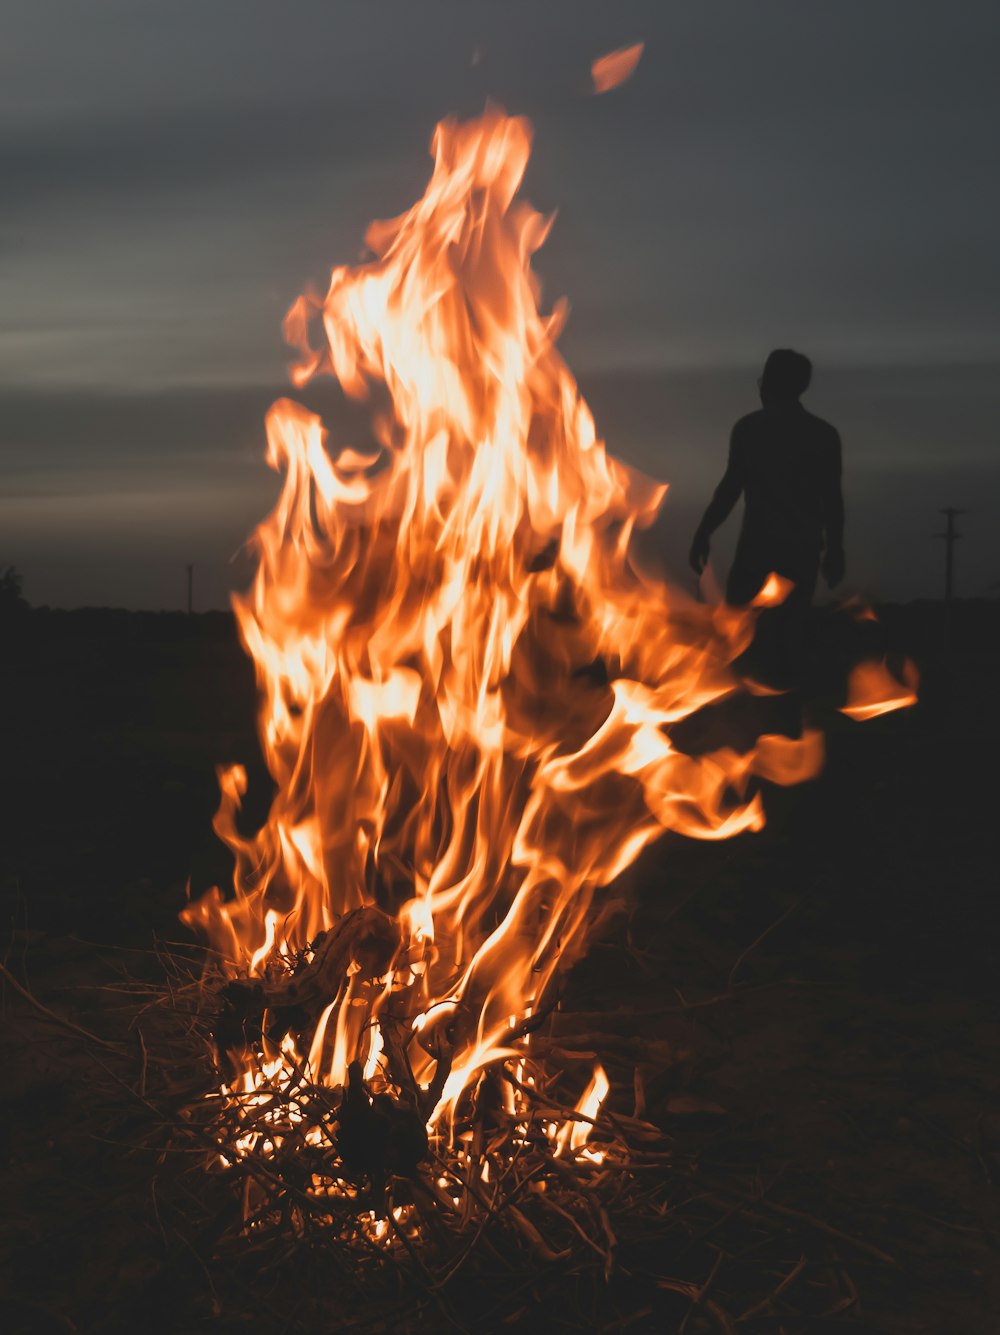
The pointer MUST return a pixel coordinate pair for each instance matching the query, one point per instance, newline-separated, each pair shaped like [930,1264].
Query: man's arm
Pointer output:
[832,500]
[727,493]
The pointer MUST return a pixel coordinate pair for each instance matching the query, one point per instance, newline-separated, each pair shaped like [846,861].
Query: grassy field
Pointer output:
[826,991]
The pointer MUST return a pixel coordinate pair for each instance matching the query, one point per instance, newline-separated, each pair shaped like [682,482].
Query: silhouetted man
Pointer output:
[786,464]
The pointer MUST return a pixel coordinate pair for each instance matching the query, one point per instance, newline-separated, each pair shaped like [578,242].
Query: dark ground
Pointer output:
[847,1065]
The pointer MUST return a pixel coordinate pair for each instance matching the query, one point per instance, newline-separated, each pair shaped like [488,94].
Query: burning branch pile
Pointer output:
[469,697]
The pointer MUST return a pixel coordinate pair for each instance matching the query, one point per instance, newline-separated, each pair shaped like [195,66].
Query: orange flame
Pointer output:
[873,690]
[574,1135]
[616,67]
[467,690]
[773,591]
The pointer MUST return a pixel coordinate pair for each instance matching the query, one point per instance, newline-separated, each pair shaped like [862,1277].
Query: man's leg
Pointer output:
[780,655]
[794,634]
[746,579]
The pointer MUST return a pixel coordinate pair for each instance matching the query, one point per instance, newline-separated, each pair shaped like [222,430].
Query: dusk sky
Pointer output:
[820,175]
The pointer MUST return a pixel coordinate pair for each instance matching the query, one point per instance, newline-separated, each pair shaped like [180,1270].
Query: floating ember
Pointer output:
[469,696]
[616,67]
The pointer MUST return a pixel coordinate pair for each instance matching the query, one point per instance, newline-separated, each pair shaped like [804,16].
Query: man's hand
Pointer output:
[833,566]
[698,554]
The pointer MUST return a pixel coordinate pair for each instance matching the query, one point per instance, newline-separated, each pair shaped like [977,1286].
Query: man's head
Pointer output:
[786,376]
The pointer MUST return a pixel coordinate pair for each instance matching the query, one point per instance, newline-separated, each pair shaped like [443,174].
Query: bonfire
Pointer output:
[470,696]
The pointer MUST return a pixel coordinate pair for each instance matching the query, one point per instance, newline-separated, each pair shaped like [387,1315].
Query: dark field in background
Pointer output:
[857,1065]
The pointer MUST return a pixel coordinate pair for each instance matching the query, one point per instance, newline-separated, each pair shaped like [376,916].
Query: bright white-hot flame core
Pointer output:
[573,1135]
[468,693]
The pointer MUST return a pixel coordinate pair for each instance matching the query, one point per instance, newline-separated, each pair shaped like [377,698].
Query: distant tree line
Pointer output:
[12,601]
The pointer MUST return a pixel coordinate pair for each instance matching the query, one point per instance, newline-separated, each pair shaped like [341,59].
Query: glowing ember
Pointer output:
[468,693]
[616,67]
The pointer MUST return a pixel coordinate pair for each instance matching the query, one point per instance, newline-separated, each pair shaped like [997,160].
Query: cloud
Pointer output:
[174,174]
[168,151]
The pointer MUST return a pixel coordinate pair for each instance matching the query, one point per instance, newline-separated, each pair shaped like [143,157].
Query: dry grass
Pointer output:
[281,1232]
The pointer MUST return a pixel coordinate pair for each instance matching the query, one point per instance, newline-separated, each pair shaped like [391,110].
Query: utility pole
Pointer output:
[190,572]
[951,536]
